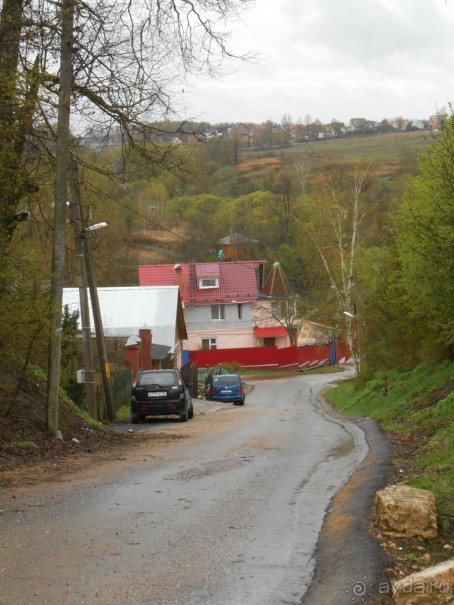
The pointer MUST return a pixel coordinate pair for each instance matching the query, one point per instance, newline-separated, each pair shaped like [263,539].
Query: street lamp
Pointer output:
[105,368]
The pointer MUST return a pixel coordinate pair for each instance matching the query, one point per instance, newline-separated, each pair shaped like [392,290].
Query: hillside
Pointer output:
[415,408]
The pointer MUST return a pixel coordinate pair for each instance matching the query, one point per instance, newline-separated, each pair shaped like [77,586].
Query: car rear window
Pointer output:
[225,380]
[161,378]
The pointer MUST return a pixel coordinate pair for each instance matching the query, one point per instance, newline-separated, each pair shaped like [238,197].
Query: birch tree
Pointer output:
[336,239]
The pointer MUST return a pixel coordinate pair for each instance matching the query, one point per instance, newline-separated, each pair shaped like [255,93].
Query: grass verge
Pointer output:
[415,408]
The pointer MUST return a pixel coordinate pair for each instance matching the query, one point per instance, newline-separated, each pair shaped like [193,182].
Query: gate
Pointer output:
[190,373]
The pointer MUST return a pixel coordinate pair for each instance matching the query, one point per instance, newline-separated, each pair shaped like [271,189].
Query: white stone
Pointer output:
[432,586]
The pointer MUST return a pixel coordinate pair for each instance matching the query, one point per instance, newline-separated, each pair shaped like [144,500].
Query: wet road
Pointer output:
[228,518]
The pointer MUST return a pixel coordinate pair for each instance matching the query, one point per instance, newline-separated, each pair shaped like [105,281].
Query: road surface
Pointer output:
[230,516]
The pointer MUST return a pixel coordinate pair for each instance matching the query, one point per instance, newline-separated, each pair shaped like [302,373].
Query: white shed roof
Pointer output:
[126,310]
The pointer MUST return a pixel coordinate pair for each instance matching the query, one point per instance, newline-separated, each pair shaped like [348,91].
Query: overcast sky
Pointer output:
[330,59]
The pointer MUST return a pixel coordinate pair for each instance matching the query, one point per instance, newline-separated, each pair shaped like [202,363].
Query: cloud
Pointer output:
[374,58]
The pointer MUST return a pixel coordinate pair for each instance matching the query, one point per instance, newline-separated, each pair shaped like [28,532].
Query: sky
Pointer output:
[333,59]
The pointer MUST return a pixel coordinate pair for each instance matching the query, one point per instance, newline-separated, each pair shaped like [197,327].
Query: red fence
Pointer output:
[298,358]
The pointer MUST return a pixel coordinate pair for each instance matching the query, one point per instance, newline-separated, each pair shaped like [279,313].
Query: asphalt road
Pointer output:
[231,517]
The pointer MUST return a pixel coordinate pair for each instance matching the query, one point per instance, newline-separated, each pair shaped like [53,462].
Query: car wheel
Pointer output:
[184,416]
[136,419]
[191,412]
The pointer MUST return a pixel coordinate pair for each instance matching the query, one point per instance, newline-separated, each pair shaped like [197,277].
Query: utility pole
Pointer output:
[77,220]
[105,368]
[60,193]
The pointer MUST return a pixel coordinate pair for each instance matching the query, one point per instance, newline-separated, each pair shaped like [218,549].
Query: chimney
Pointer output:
[145,349]
[179,276]
[132,356]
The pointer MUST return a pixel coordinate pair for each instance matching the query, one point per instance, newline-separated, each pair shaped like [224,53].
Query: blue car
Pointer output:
[226,387]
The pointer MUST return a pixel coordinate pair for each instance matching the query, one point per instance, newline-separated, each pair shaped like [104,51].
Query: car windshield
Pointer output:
[225,380]
[161,378]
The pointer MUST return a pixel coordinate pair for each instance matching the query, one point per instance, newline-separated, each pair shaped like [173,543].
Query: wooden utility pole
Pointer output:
[104,364]
[60,193]
[77,220]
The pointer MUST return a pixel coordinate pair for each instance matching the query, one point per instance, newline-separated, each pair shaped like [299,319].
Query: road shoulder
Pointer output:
[350,563]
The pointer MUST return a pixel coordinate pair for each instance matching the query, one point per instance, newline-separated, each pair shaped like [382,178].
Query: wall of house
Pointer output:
[199,317]
[225,338]
[229,332]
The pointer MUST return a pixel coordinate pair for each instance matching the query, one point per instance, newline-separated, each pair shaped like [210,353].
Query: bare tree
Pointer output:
[131,59]
[340,220]
[278,304]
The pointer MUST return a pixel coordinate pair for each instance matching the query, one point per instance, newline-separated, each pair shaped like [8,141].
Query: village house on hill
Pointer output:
[223,303]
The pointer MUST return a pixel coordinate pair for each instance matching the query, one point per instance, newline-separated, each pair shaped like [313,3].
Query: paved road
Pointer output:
[228,518]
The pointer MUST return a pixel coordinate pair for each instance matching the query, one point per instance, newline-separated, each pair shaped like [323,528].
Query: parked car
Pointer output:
[226,387]
[158,393]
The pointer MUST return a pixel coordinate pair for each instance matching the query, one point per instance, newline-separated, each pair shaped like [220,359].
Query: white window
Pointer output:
[217,312]
[209,343]
[208,282]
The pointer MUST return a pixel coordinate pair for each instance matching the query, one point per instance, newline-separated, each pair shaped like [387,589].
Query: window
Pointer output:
[209,282]
[217,312]
[240,311]
[209,343]
[269,342]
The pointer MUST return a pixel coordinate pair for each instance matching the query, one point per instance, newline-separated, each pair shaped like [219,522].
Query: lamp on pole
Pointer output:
[104,364]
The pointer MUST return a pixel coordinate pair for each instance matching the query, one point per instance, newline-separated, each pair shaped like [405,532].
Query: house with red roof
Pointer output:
[220,303]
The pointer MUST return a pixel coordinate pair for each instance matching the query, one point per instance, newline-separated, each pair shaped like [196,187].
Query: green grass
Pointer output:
[388,146]
[416,405]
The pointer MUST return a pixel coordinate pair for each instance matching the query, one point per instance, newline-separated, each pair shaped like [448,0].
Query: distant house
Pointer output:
[126,311]
[220,302]
[234,246]
[356,123]
[362,126]
[311,332]
[417,125]
[243,132]
[435,121]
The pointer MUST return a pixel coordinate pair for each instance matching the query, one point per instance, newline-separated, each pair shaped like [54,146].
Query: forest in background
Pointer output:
[300,206]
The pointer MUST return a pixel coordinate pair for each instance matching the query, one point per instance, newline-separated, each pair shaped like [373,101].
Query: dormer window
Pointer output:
[208,282]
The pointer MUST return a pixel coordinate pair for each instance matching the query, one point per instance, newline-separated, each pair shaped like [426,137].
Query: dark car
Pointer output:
[158,393]
[226,387]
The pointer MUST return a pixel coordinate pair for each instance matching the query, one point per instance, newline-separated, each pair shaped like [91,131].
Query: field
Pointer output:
[383,152]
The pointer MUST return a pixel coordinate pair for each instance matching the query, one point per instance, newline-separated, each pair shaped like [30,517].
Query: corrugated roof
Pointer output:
[207,270]
[125,310]
[237,281]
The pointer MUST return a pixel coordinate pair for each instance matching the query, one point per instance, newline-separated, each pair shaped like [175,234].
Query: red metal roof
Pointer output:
[238,281]
[272,332]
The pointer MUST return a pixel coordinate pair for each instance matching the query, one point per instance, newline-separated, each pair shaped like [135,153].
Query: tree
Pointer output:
[283,202]
[424,237]
[335,236]
[278,304]
[130,60]
[124,64]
